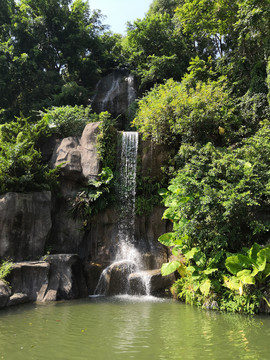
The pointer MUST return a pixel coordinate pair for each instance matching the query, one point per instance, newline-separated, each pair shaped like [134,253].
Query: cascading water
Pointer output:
[114,93]
[127,194]
[128,259]
[131,89]
[107,102]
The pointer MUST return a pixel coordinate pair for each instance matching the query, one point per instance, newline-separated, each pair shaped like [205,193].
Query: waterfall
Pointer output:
[127,194]
[131,89]
[115,278]
[113,91]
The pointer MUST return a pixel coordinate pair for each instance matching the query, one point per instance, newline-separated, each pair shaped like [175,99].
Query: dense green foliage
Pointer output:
[21,167]
[216,117]
[218,202]
[218,197]
[93,198]
[68,120]
[155,51]
[173,112]
[52,53]
[107,140]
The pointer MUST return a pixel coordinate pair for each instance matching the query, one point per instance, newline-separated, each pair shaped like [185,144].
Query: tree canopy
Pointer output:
[51,53]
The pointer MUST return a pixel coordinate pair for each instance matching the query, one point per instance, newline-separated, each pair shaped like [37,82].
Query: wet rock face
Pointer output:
[119,277]
[25,224]
[114,279]
[5,293]
[92,274]
[114,93]
[157,283]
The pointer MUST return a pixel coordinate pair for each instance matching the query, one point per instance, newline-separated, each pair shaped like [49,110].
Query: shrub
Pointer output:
[21,168]
[5,268]
[68,120]
[177,111]
[218,197]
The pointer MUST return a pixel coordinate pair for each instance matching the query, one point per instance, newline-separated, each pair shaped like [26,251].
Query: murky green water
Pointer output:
[119,329]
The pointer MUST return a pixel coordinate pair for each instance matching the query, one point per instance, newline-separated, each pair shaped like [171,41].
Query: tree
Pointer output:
[51,54]
[163,6]
[240,34]
[155,50]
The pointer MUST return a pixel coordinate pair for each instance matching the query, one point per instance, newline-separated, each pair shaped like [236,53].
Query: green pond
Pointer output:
[129,328]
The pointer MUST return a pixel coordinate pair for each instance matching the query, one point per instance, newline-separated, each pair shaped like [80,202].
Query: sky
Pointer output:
[119,12]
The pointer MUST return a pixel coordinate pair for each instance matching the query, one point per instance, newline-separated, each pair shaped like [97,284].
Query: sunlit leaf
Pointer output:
[205,287]
[167,239]
[169,268]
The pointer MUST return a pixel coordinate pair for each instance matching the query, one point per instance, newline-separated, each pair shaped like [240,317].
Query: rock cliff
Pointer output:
[34,224]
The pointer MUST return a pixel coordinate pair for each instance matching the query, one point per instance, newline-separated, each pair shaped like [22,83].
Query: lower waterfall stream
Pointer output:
[128,258]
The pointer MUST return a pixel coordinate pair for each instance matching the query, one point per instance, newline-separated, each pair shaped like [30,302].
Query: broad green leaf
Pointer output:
[174,188]
[267,253]
[215,285]
[199,258]
[171,214]
[261,260]
[254,251]
[167,239]
[246,277]
[210,271]
[196,285]
[184,199]
[191,269]
[237,263]
[179,241]
[232,283]
[182,270]
[190,254]
[266,271]
[169,268]
[205,287]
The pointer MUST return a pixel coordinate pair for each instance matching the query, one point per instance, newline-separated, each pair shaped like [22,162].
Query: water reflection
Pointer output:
[121,328]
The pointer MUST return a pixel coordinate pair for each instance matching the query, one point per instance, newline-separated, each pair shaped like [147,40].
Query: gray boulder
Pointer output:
[29,278]
[25,223]
[114,279]
[78,156]
[18,298]
[119,277]
[89,157]
[67,155]
[66,279]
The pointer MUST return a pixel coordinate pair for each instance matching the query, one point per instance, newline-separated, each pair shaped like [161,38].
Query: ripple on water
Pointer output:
[124,327]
